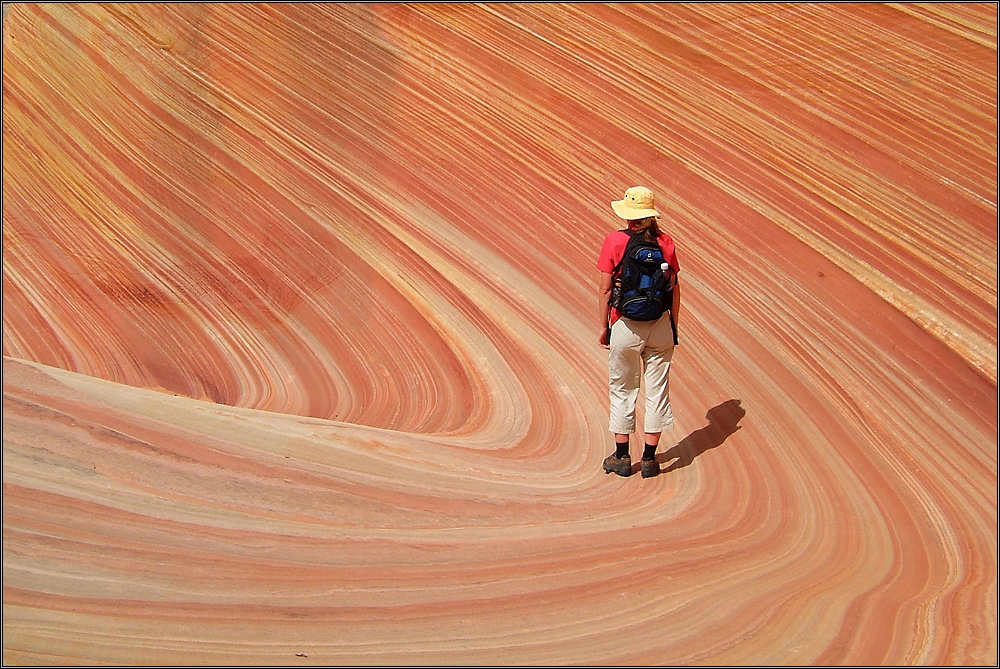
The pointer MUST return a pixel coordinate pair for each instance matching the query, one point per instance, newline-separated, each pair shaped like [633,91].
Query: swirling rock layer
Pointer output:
[300,363]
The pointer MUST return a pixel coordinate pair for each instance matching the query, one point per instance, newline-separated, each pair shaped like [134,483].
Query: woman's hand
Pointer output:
[605,337]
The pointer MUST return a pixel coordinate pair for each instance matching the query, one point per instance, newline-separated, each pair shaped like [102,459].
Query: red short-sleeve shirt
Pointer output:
[614,248]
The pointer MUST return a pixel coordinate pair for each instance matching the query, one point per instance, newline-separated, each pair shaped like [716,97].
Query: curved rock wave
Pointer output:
[300,362]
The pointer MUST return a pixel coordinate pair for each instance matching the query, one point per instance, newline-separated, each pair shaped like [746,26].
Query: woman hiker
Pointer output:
[638,349]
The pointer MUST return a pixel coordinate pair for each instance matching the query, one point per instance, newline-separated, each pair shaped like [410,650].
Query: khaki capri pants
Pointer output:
[640,351]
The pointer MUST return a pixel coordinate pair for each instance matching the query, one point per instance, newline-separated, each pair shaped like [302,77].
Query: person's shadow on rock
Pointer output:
[723,420]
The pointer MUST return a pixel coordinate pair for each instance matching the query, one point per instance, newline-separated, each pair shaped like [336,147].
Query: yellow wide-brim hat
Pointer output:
[637,203]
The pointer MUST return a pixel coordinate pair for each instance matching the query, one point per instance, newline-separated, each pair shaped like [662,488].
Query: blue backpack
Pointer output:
[642,290]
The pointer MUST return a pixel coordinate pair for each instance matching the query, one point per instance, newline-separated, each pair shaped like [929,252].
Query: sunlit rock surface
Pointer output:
[300,360]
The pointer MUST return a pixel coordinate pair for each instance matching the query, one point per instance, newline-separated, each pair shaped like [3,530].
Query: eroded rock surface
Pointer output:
[300,361]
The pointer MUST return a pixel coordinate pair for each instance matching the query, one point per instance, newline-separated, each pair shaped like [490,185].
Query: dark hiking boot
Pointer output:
[649,467]
[621,466]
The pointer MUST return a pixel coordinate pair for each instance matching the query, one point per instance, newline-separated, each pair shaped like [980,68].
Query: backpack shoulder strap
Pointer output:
[631,235]
[616,272]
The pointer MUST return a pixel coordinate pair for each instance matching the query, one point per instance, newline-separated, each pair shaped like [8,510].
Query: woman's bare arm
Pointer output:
[604,310]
